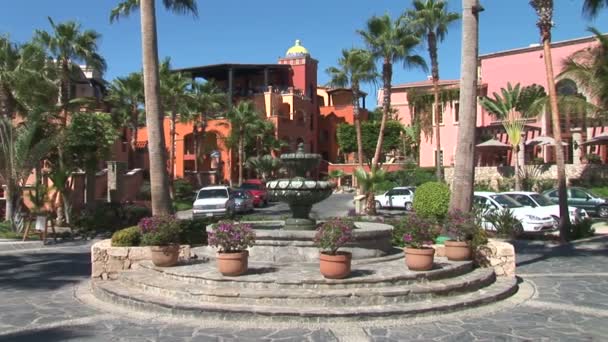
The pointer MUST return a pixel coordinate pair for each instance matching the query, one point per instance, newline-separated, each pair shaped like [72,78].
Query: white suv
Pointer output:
[399,197]
[213,201]
[531,219]
[545,205]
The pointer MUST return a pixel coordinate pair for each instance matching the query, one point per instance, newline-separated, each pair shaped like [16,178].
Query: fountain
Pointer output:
[298,192]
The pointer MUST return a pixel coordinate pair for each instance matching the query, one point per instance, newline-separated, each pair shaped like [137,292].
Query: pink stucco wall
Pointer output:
[525,66]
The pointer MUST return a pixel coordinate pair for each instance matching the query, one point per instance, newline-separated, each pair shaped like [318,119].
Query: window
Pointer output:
[440,114]
[456,112]
[523,199]
[440,157]
[578,193]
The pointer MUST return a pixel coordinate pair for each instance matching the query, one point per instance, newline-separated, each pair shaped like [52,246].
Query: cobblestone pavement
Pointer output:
[562,298]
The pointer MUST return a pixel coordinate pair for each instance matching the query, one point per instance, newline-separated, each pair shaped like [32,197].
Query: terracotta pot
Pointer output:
[232,264]
[458,250]
[164,256]
[419,259]
[335,266]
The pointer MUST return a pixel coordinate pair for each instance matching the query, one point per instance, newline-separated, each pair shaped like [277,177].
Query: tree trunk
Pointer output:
[133,142]
[199,180]
[241,155]
[432,39]
[356,114]
[516,168]
[9,205]
[387,74]
[564,221]
[159,182]
[464,165]
[172,135]
[7,102]
[90,185]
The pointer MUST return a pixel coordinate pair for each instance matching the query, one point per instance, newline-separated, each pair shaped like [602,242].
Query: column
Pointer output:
[116,173]
[230,86]
[577,149]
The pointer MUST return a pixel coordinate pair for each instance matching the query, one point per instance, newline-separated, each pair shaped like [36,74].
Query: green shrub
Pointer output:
[126,237]
[193,232]
[483,185]
[432,200]
[184,191]
[420,230]
[108,217]
[414,176]
[384,186]
[505,223]
[145,192]
[505,184]
[543,185]
[581,230]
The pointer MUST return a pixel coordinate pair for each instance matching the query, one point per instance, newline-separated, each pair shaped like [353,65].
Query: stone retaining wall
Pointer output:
[108,261]
[496,253]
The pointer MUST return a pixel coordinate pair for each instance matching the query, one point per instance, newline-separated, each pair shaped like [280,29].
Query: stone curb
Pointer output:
[17,245]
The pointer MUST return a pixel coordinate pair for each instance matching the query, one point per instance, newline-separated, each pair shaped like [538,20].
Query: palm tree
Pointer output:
[175,93]
[430,19]
[159,182]
[368,182]
[512,107]
[356,66]
[264,166]
[591,8]
[126,94]
[544,12]
[243,120]
[68,44]
[21,149]
[391,42]
[464,165]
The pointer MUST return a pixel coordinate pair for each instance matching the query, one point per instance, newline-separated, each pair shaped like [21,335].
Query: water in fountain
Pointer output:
[299,192]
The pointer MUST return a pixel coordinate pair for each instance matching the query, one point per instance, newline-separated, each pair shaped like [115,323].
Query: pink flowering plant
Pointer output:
[333,234]
[460,225]
[417,232]
[231,237]
[159,230]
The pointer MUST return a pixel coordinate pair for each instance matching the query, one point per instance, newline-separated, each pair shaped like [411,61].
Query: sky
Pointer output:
[245,31]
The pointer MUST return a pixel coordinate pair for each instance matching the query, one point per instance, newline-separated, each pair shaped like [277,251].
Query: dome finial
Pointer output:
[297,50]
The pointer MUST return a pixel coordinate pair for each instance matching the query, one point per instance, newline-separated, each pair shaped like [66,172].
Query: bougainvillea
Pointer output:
[333,234]
[231,237]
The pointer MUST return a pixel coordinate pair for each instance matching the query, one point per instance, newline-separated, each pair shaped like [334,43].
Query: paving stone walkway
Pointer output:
[562,298]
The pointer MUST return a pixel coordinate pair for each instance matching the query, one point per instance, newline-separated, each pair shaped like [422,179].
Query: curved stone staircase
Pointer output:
[381,288]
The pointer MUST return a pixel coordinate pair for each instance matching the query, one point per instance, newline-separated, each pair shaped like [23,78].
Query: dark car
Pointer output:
[257,188]
[584,199]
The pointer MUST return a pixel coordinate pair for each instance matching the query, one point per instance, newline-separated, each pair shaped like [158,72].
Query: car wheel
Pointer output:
[602,211]
[518,230]
[378,205]
[409,206]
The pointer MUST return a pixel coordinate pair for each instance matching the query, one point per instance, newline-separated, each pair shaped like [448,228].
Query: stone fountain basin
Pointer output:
[273,244]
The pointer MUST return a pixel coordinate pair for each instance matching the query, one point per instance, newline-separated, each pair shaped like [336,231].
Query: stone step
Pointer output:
[148,282]
[121,294]
[269,276]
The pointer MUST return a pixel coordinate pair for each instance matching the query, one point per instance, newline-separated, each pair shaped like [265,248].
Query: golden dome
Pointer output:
[297,50]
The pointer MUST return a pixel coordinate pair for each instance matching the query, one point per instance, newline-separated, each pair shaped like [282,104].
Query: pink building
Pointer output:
[525,66]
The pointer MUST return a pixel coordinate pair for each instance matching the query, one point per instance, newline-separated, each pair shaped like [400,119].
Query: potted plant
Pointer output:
[161,233]
[418,236]
[330,236]
[461,227]
[232,239]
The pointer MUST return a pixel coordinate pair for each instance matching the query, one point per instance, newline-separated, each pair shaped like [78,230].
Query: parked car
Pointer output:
[545,205]
[584,199]
[243,201]
[213,201]
[258,190]
[399,197]
[531,219]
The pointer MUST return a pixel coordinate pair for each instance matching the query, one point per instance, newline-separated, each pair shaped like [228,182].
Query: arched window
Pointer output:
[566,87]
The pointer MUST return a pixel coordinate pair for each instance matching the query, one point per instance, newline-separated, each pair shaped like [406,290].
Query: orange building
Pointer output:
[285,93]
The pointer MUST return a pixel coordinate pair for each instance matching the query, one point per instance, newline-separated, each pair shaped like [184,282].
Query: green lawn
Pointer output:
[7,233]
[600,190]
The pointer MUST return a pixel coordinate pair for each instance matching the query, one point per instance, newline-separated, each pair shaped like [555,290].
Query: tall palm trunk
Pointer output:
[159,183]
[516,167]
[7,102]
[464,165]
[564,221]
[357,117]
[134,133]
[241,155]
[172,139]
[432,39]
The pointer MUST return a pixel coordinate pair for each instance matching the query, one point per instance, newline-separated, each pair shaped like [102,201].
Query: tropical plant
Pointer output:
[417,231]
[356,66]
[231,237]
[544,12]
[333,234]
[368,181]
[432,200]
[21,149]
[347,137]
[461,226]
[126,94]
[126,237]
[430,20]
[591,8]
[159,231]
[335,174]
[505,224]
[161,202]
[512,107]
[264,166]
[390,41]
[243,119]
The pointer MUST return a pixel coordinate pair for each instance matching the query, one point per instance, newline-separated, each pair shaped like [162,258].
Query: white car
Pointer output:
[213,201]
[531,219]
[399,197]
[545,205]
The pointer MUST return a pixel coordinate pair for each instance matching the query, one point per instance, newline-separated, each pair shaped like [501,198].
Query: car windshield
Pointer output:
[542,200]
[240,194]
[506,201]
[212,193]
[251,186]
